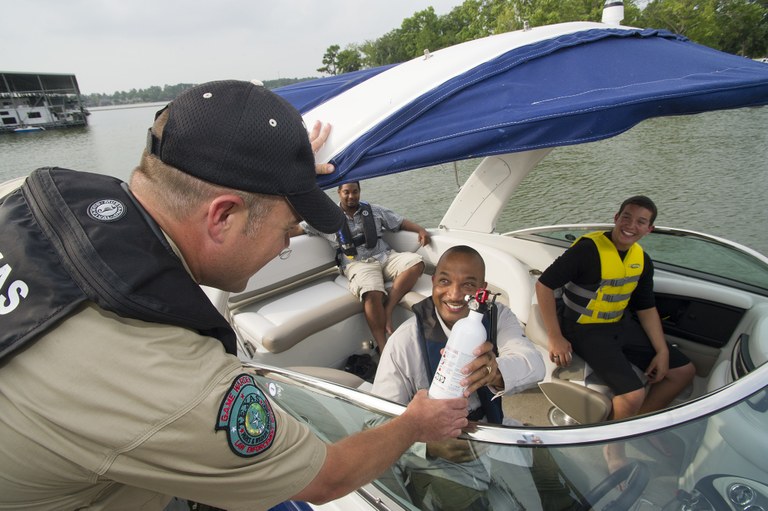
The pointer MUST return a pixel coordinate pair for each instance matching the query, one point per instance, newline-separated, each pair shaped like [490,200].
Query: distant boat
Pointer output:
[44,100]
[28,129]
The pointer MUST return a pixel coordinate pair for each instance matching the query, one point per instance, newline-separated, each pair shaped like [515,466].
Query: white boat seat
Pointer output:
[281,323]
[420,290]
[586,394]
[581,404]
[291,299]
[304,297]
[577,371]
[751,340]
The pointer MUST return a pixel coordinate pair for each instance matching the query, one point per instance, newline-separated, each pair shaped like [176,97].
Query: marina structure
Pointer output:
[38,101]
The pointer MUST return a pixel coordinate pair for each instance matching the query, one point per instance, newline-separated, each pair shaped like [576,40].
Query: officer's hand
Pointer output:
[435,419]
[317,138]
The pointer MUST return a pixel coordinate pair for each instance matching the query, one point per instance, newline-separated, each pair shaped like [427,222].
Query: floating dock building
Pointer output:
[35,101]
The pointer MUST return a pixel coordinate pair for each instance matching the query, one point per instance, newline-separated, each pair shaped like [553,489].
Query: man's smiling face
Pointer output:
[456,275]
[630,225]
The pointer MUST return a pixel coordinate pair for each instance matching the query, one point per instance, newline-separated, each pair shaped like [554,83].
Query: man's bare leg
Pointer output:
[665,391]
[373,308]
[400,286]
[662,394]
[624,405]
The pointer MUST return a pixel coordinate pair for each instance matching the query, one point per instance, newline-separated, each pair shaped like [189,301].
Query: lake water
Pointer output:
[706,172]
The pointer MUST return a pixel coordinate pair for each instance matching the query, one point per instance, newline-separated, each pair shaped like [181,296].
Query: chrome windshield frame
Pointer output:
[657,229]
[538,234]
[704,406]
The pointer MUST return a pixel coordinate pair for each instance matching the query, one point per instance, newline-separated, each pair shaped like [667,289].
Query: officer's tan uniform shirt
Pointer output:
[104,412]
[102,406]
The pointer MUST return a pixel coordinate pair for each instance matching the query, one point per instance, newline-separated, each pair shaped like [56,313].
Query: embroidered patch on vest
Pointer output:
[247,416]
[106,210]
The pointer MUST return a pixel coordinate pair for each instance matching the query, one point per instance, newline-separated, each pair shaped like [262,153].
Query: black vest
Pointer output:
[432,339]
[348,244]
[68,237]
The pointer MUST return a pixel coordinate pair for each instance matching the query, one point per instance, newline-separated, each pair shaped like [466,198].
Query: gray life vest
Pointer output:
[348,244]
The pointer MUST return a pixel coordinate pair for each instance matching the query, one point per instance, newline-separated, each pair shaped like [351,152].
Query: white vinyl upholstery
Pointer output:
[585,395]
[753,330]
[305,298]
[279,324]
[291,299]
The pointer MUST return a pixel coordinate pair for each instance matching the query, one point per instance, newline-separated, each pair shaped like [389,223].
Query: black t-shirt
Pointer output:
[580,264]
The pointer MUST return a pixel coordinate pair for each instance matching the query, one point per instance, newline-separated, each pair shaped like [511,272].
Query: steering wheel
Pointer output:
[635,474]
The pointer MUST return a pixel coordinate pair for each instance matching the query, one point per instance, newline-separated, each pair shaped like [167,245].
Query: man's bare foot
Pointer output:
[614,457]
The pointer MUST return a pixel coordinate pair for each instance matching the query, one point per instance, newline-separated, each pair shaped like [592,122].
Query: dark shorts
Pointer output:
[611,349]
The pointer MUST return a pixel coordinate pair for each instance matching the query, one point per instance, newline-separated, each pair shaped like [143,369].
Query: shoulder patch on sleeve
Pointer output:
[247,417]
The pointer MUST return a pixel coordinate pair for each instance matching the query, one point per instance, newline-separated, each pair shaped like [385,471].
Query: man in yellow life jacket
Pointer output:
[602,275]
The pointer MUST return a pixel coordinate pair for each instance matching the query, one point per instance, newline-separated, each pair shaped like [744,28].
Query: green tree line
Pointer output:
[734,26]
[157,94]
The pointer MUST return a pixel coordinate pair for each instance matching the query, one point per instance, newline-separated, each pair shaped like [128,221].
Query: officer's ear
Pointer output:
[224,215]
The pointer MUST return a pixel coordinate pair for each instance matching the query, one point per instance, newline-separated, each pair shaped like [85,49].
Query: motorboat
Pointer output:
[28,129]
[507,101]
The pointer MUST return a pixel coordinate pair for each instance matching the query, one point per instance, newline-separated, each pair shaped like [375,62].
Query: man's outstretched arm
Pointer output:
[360,458]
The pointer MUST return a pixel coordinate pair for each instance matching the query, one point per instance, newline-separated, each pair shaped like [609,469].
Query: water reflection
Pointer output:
[706,172]
[110,144]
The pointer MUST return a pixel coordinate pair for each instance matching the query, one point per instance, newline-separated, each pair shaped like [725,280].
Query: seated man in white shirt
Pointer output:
[410,358]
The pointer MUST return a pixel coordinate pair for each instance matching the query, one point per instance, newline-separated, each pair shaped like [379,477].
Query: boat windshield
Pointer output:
[703,458]
[684,252]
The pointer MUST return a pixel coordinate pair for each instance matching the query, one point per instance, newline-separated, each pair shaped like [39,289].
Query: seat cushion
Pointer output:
[277,325]
[583,405]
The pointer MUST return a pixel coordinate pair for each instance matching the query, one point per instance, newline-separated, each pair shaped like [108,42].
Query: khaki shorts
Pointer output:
[371,275]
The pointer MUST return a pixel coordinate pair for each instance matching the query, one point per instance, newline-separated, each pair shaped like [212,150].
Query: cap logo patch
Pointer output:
[273,123]
[106,210]
[247,417]
[208,95]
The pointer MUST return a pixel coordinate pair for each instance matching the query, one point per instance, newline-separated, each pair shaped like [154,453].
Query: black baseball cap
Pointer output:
[240,135]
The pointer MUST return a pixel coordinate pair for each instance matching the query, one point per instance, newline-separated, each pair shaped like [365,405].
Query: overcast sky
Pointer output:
[116,45]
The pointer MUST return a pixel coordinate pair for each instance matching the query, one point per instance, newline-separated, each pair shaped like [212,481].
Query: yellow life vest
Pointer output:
[605,303]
